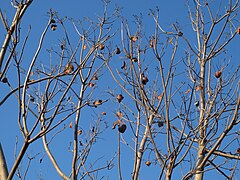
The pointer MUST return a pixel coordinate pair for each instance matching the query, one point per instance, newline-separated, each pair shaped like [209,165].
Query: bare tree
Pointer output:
[175,96]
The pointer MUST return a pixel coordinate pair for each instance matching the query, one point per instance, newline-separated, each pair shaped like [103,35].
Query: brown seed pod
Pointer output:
[144,80]
[119,114]
[91,84]
[238,30]
[148,163]
[70,125]
[120,98]
[134,38]
[104,113]
[198,88]
[218,74]
[97,103]
[101,46]
[122,128]
[95,78]
[53,27]
[79,132]
[118,51]
[160,97]
[151,43]
[69,68]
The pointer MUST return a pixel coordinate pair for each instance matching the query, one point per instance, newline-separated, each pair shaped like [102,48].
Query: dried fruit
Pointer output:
[120,98]
[104,113]
[69,68]
[218,74]
[151,43]
[119,114]
[198,88]
[122,128]
[101,46]
[97,103]
[148,163]
[160,97]
[70,125]
[118,51]
[95,78]
[188,91]
[79,132]
[91,84]
[53,27]
[145,80]
[134,38]
[238,30]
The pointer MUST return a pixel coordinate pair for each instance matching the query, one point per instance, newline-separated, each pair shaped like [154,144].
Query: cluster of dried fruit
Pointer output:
[69,68]
[54,25]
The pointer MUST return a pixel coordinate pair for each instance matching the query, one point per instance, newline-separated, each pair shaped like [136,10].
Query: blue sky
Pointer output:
[36,16]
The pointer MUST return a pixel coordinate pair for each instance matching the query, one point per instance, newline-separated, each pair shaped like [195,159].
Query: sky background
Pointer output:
[36,16]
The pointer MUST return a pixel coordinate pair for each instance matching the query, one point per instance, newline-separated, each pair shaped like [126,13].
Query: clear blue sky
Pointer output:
[36,16]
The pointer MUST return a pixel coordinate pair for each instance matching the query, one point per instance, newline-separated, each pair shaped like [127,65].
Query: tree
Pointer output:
[174,94]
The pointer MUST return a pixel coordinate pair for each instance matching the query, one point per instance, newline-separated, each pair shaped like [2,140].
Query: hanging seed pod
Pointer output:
[119,114]
[97,103]
[101,46]
[120,98]
[69,68]
[70,125]
[144,80]
[118,51]
[151,43]
[95,78]
[53,27]
[122,128]
[91,84]
[104,113]
[198,88]
[238,150]
[79,132]
[238,30]
[148,163]
[134,38]
[218,74]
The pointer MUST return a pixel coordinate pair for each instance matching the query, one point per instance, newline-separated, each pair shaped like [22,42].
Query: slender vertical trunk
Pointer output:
[202,126]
